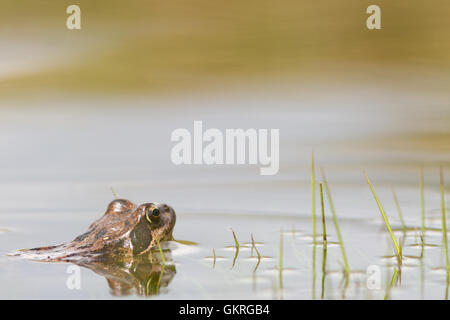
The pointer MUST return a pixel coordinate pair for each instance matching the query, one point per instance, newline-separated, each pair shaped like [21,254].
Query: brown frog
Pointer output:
[124,231]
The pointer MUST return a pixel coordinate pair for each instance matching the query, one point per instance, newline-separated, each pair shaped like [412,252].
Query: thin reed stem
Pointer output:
[313,197]
[335,222]
[422,202]
[324,229]
[161,253]
[386,221]
[399,210]
[443,218]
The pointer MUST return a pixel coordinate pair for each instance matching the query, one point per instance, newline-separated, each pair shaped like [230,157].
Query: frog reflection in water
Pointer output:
[145,275]
[122,246]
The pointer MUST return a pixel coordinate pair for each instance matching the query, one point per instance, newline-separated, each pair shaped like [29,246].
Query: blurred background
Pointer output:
[86,110]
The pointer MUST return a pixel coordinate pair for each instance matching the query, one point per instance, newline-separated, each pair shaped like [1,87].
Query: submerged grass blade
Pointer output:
[158,284]
[399,210]
[447,280]
[324,229]
[391,284]
[254,247]
[280,260]
[383,213]
[235,258]
[324,271]
[236,242]
[237,249]
[257,252]
[314,273]
[422,245]
[335,222]
[163,259]
[400,243]
[313,197]
[443,219]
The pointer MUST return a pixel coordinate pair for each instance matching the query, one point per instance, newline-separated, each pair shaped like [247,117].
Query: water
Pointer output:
[93,109]
[60,160]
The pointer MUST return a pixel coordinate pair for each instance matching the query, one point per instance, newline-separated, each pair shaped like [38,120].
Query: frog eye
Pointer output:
[152,215]
[155,212]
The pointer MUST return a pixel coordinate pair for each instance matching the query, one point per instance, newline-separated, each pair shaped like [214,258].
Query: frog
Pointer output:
[125,231]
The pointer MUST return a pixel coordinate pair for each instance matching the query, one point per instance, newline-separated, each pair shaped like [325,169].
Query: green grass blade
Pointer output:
[443,218]
[422,245]
[422,202]
[163,259]
[399,210]
[324,232]
[324,229]
[158,284]
[254,247]
[324,271]
[114,193]
[257,253]
[335,222]
[383,213]
[391,284]
[186,242]
[235,239]
[313,197]
[447,280]
[280,260]
[314,273]
[237,249]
